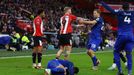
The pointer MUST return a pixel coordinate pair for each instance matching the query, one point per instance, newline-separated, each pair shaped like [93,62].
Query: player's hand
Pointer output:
[80,21]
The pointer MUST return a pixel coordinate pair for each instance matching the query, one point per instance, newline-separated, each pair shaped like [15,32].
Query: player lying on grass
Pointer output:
[125,37]
[95,38]
[61,67]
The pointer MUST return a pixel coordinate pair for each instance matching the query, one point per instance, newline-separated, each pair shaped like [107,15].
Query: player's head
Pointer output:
[125,6]
[67,10]
[96,13]
[76,70]
[41,12]
[14,32]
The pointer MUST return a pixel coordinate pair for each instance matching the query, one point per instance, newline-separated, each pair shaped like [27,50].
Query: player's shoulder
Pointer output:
[99,19]
[129,12]
[69,15]
[37,17]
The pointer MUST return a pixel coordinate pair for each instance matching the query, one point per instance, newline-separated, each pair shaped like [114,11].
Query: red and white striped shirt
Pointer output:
[38,26]
[66,23]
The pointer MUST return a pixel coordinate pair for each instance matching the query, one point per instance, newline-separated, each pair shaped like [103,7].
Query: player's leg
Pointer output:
[60,52]
[113,66]
[92,46]
[128,49]
[39,55]
[68,47]
[34,52]
[65,44]
[123,58]
[61,44]
[68,51]
[117,49]
[34,56]
[39,52]
[94,59]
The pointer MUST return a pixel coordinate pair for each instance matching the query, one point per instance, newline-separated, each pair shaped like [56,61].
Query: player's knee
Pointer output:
[116,51]
[67,53]
[61,50]
[90,53]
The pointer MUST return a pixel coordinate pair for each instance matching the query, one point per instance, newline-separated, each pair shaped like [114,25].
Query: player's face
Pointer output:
[69,11]
[95,14]
[43,14]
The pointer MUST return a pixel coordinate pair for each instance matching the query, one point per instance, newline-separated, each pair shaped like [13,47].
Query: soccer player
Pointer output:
[66,30]
[122,53]
[61,67]
[37,38]
[125,35]
[95,37]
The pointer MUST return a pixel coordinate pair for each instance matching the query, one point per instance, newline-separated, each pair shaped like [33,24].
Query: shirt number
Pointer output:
[127,19]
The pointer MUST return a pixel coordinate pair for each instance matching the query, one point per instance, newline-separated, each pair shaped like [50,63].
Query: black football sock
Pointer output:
[113,60]
[34,57]
[39,57]
[123,58]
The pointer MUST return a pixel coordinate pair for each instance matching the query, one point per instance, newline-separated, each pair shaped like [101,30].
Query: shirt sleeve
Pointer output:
[73,17]
[109,8]
[98,20]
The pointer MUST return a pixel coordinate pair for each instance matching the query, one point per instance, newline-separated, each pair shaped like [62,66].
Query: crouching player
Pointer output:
[95,36]
[61,67]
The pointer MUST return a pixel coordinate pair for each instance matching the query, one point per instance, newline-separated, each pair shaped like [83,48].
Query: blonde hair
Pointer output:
[66,9]
[97,10]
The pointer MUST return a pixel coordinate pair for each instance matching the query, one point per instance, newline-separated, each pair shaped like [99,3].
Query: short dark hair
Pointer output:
[76,70]
[66,9]
[125,6]
[97,10]
[40,11]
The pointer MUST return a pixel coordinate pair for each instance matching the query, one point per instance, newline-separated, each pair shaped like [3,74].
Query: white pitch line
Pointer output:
[49,55]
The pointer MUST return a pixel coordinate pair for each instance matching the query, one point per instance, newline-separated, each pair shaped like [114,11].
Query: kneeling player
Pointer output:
[61,67]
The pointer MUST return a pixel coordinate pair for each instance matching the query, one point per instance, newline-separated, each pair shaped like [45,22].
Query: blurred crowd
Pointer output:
[10,13]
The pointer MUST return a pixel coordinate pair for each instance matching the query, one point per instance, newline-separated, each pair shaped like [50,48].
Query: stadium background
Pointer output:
[12,18]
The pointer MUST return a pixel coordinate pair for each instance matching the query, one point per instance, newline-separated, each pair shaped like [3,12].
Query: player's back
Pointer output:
[53,63]
[66,26]
[125,22]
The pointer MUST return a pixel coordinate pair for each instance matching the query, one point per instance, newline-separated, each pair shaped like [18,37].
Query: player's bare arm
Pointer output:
[88,22]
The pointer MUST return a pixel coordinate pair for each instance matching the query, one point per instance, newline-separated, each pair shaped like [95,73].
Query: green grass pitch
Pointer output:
[22,65]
